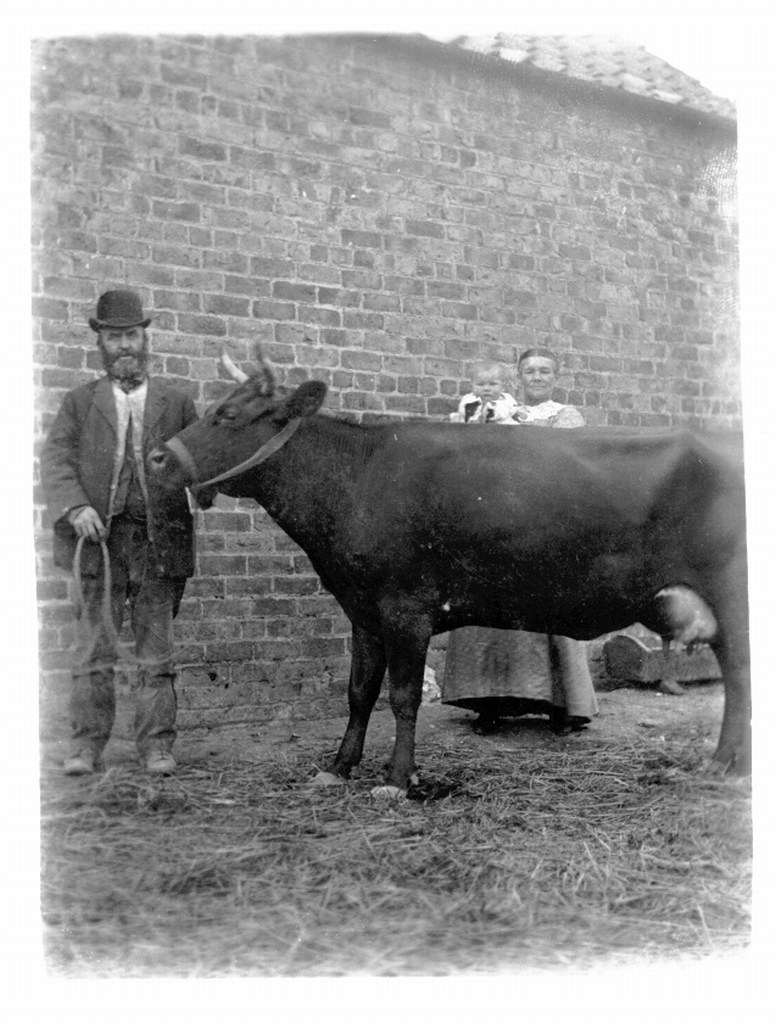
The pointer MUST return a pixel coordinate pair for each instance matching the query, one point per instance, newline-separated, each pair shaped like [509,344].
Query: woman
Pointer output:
[501,673]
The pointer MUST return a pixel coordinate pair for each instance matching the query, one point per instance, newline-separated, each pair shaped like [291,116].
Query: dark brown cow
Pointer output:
[419,528]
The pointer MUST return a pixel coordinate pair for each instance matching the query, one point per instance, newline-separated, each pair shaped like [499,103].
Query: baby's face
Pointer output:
[487,385]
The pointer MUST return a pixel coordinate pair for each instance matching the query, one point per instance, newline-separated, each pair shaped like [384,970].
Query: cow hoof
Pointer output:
[327,779]
[730,771]
[671,687]
[714,769]
[391,794]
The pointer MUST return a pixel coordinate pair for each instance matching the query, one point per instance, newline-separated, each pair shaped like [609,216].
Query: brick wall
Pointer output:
[379,214]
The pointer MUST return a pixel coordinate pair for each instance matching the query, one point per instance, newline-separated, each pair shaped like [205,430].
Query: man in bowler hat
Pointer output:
[93,472]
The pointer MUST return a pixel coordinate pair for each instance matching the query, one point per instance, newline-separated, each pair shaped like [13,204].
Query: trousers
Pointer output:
[153,602]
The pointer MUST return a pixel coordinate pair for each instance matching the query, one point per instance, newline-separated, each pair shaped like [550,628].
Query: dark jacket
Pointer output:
[77,466]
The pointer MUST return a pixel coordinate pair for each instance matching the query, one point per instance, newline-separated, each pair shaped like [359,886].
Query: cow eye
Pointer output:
[225,412]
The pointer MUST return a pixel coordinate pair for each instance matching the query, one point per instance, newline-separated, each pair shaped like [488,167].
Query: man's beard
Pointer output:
[127,370]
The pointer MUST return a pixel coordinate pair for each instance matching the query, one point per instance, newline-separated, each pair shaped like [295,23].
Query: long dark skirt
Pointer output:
[509,673]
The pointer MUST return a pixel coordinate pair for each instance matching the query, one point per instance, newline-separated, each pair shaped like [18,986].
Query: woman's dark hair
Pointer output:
[545,353]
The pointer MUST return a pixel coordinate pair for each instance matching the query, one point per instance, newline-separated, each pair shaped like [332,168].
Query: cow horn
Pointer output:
[234,371]
[269,373]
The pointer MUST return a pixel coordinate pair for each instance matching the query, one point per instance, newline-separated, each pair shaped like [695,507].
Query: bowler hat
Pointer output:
[119,308]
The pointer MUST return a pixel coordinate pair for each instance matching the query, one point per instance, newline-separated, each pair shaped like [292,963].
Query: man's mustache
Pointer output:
[136,361]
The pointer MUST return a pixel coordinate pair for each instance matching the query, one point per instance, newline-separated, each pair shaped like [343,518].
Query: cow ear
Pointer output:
[306,400]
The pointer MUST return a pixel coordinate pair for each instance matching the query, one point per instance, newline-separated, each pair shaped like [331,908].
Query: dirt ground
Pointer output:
[639,710]
[518,850]
[622,713]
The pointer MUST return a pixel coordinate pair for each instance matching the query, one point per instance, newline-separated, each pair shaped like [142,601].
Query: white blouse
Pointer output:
[550,414]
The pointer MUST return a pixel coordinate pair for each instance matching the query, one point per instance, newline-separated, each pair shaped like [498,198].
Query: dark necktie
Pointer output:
[129,494]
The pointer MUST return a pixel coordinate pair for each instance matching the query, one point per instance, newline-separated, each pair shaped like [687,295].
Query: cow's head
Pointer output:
[232,431]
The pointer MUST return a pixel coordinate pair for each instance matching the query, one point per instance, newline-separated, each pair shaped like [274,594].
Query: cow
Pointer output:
[421,527]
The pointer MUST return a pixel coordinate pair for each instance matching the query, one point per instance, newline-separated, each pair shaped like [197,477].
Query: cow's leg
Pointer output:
[731,646]
[367,669]
[406,662]
[734,749]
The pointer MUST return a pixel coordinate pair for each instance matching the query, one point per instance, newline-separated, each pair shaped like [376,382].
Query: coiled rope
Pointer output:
[78,592]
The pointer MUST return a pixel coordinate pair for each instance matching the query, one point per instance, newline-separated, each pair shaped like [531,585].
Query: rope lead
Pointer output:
[78,593]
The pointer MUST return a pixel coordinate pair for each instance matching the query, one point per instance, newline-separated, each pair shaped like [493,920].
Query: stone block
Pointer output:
[631,659]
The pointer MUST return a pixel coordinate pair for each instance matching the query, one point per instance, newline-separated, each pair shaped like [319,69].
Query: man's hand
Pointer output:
[87,523]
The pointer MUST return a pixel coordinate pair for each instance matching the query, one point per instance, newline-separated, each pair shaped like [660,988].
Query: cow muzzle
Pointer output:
[177,462]
[159,461]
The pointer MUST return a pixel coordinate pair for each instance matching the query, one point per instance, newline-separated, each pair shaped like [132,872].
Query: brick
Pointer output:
[52,590]
[233,651]
[202,193]
[405,403]
[358,279]
[246,285]
[441,407]
[120,156]
[226,305]
[334,338]
[201,150]
[81,241]
[224,260]
[338,297]
[175,255]
[51,309]
[362,239]
[459,310]
[269,564]
[177,75]
[323,647]
[353,360]
[443,367]
[319,315]
[269,607]
[294,292]
[221,564]
[408,365]
[363,321]
[219,521]
[371,118]
[275,650]
[176,211]
[382,302]
[179,301]
[267,310]
[266,266]
[192,324]
[428,229]
[298,586]
[220,610]
[342,379]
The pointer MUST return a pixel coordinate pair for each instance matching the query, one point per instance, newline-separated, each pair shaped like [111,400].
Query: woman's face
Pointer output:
[537,375]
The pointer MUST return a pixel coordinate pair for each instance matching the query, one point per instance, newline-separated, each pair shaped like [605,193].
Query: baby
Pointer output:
[486,402]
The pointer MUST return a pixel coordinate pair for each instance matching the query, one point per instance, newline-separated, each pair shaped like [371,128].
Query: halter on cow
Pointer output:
[420,528]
